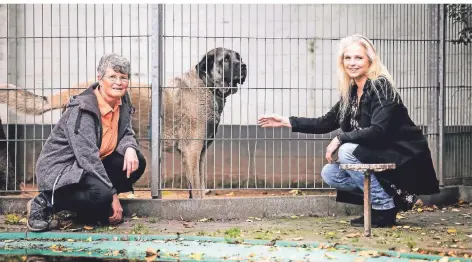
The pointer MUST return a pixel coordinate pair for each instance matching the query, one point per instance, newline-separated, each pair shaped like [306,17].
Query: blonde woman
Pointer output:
[374,128]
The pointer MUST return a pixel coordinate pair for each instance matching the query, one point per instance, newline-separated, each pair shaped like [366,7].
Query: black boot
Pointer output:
[39,213]
[358,221]
[380,218]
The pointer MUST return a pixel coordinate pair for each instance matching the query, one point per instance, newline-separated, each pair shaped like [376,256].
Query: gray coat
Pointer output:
[72,148]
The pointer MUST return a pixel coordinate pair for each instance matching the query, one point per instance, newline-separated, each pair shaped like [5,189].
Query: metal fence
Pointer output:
[290,52]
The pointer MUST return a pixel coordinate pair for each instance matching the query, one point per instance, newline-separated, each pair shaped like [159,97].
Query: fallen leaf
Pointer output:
[67,226]
[297,238]
[369,253]
[258,219]
[331,234]
[196,256]
[249,220]
[187,225]
[70,240]
[88,239]
[204,220]
[23,220]
[451,231]
[419,210]
[329,256]
[455,210]
[400,216]
[353,235]
[88,227]
[150,252]
[131,196]
[343,222]
[406,227]
[418,203]
[294,217]
[230,194]
[295,192]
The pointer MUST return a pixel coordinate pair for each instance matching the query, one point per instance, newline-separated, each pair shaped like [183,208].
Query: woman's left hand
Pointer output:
[332,147]
[131,162]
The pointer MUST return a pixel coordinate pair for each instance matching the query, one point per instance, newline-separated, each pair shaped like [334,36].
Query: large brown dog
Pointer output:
[191,108]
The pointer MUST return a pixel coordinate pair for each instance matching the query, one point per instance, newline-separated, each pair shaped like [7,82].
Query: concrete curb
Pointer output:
[449,195]
[221,208]
[244,207]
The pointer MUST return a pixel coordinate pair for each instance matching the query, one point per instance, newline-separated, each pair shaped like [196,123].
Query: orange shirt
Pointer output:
[110,117]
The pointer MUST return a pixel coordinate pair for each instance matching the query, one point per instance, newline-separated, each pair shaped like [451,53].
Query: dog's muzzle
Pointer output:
[239,75]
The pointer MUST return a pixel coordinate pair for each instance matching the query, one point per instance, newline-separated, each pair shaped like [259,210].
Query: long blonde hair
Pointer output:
[376,70]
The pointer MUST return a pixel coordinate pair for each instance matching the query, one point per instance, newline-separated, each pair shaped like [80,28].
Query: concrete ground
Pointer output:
[425,229]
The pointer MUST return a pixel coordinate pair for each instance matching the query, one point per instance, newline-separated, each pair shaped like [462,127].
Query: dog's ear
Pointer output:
[206,64]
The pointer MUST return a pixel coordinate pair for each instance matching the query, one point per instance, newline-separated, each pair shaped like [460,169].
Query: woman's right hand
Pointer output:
[273,120]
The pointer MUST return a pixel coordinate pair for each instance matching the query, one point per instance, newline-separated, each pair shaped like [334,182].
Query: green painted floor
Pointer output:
[173,248]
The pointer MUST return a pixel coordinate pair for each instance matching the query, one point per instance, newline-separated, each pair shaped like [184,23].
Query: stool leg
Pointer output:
[367,205]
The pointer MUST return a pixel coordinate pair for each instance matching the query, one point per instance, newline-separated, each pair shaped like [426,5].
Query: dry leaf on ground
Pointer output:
[353,235]
[150,252]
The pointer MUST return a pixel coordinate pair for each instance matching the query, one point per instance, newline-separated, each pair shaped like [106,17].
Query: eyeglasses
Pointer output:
[115,79]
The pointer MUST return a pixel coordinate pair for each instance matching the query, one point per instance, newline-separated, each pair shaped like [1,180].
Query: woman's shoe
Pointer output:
[380,218]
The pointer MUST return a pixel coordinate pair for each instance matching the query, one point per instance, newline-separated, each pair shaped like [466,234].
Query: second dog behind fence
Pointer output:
[192,105]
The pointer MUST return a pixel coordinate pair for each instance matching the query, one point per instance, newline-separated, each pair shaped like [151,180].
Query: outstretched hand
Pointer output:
[273,120]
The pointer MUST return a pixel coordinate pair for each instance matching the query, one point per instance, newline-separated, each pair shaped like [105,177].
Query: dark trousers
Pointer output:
[91,198]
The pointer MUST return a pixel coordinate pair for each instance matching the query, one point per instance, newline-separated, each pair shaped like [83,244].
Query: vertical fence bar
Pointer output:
[433,82]
[156,62]
[441,82]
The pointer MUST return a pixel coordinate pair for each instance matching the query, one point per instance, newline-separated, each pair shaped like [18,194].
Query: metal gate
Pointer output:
[290,52]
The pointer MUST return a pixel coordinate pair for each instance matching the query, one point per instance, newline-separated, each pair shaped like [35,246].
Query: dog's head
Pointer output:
[222,68]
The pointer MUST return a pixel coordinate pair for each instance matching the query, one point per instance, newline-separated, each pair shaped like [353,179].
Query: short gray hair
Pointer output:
[115,62]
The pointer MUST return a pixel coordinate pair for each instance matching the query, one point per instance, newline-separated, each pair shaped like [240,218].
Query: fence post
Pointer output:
[156,63]
[441,84]
[433,82]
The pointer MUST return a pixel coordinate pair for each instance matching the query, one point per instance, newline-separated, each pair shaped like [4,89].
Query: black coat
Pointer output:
[387,135]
